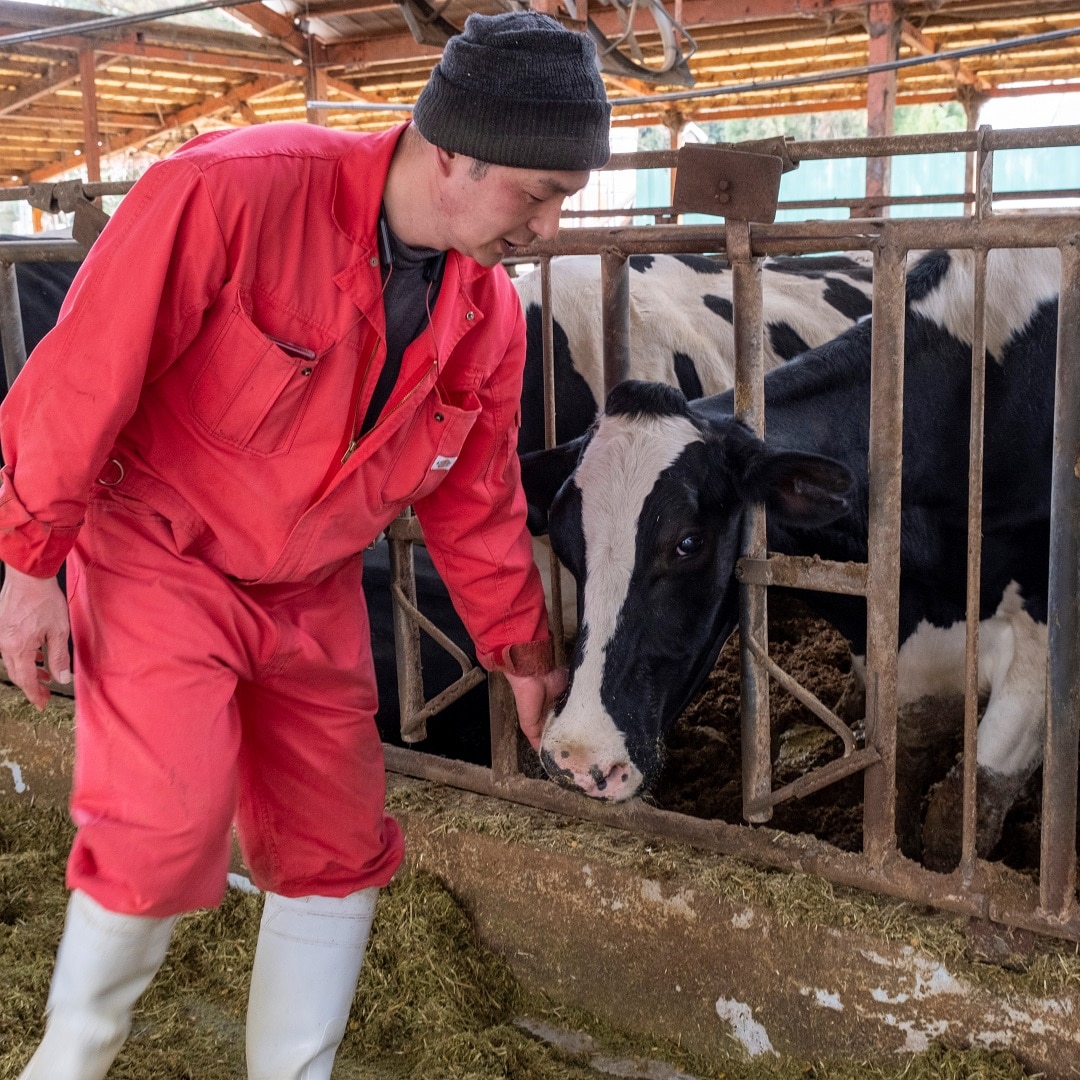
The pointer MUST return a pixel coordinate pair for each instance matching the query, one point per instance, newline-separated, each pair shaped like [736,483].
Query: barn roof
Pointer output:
[158,82]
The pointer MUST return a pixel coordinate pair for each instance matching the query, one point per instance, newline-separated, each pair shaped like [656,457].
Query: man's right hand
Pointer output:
[33,627]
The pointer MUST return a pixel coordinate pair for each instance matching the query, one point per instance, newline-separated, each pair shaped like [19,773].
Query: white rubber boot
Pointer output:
[307,963]
[105,961]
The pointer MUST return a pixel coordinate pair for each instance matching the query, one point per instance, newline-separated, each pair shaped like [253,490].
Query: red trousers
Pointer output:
[201,703]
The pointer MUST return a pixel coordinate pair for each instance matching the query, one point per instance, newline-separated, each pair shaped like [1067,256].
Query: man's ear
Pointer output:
[444,160]
[543,473]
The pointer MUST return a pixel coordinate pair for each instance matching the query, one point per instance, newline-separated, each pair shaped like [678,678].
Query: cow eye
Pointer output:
[689,545]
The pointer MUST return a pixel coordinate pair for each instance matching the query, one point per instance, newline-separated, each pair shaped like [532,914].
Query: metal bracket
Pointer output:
[732,184]
[68,197]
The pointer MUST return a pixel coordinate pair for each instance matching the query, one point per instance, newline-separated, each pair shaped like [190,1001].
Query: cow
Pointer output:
[646,510]
[681,326]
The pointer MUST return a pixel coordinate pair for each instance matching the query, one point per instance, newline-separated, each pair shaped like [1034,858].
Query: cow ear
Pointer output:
[803,489]
[543,473]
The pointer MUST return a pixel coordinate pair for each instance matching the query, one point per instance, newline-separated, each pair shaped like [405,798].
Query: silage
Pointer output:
[433,1003]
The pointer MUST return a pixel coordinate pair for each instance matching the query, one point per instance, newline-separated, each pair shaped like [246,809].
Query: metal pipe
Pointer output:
[558,629]
[1057,874]
[861,71]
[974,567]
[11,327]
[748,305]
[615,315]
[883,557]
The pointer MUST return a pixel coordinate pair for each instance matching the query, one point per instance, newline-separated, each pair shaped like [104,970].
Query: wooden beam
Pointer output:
[884,47]
[279,27]
[926,46]
[87,84]
[61,75]
[232,100]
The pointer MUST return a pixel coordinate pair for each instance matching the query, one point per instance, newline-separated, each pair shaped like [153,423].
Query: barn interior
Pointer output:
[77,86]
[96,93]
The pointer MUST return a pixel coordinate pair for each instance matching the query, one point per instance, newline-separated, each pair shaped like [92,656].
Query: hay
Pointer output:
[432,1003]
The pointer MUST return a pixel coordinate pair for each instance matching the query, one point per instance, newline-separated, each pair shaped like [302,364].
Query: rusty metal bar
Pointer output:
[1057,874]
[406,640]
[883,562]
[974,568]
[821,777]
[804,696]
[803,572]
[502,721]
[850,204]
[11,327]
[615,315]
[748,307]
[92,191]
[984,176]
[547,331]
[787,237]
[938,142]
[20,251]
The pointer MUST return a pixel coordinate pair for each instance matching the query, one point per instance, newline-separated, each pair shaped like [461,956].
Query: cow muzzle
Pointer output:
[600,776]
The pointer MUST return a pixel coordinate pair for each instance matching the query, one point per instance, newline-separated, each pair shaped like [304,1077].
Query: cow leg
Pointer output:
[927,736]
[1012,663]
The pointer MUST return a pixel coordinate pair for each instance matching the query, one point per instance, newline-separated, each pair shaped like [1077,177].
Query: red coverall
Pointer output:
[185,437]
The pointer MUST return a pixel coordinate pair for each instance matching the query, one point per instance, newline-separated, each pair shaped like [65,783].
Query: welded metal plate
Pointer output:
[728,183]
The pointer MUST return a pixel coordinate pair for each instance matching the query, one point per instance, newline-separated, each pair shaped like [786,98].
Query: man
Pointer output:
[284,336]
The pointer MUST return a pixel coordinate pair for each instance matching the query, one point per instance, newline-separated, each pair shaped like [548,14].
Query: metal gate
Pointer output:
[976,888]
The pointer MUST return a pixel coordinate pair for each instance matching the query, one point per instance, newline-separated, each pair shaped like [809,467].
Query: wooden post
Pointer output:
[884,25]
[674,121]
[87,84]
[315,90]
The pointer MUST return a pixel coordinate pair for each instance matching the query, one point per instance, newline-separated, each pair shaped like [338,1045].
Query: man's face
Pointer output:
[492,210]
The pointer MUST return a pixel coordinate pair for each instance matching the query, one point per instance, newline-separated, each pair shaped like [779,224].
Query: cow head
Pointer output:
[646,512]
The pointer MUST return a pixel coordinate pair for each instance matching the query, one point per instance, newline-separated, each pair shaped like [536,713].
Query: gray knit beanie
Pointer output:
[518,89]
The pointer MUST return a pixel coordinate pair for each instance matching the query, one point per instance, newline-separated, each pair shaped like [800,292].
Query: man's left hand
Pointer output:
[534,696]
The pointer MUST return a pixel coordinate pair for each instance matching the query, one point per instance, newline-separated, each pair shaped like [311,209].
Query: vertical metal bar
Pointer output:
[753,603]
[1057,872]
[11,327]
[615,291]
[547,332]
[883,561]
[502,713]
[974,566]
[984,194]
[410,678]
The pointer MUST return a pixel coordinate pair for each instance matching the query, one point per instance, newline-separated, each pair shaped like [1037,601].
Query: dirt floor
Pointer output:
[433,1003]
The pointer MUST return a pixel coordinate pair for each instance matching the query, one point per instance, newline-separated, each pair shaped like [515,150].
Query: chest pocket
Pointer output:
[430,445]
[254,385]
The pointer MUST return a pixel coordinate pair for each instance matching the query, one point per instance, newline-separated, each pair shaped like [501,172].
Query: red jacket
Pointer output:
[216,354]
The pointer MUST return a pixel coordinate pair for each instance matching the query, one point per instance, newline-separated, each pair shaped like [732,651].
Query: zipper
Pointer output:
[355,441]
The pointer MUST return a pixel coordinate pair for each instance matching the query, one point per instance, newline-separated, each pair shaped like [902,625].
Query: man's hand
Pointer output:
[534,696]
[33,627]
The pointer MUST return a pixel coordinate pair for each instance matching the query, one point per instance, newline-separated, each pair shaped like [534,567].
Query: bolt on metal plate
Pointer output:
[728,183]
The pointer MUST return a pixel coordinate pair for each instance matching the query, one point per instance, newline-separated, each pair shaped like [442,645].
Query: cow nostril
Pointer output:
[598,777]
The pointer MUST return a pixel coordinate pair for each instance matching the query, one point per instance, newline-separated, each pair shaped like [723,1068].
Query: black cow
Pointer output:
[649,517]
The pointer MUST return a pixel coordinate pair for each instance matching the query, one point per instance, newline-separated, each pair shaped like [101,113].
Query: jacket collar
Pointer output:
[358,190]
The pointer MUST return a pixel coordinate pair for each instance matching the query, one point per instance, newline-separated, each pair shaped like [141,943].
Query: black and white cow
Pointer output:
[649,516]
[681,329]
